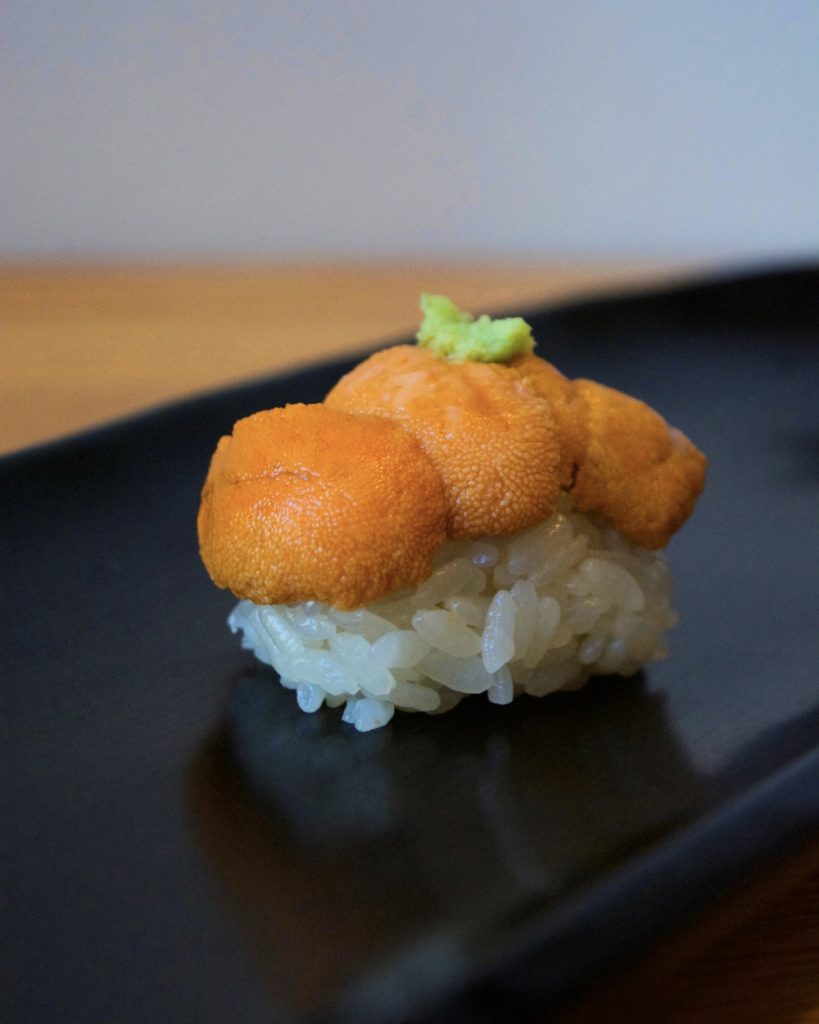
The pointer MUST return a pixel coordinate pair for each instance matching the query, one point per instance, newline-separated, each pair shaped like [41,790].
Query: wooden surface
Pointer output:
[82,345]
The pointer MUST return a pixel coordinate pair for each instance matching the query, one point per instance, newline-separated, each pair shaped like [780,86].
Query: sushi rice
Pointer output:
[533,612]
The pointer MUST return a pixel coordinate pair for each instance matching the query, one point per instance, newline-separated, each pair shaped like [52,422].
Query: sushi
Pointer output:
[456,517]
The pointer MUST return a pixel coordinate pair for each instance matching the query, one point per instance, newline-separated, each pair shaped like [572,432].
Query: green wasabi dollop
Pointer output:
[458,336]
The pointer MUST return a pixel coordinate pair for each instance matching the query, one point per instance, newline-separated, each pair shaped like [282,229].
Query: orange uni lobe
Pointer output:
[493,440]
[312,503]
[643,475]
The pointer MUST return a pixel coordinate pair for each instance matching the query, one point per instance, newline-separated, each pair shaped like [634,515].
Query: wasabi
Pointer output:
[458,336]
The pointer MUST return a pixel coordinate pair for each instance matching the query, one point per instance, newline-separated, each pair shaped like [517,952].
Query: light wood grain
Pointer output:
[82,344]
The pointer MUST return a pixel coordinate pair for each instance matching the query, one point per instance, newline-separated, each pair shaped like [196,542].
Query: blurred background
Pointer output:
[323,129]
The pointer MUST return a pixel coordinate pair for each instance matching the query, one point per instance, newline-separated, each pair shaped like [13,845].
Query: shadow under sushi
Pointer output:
[369,870]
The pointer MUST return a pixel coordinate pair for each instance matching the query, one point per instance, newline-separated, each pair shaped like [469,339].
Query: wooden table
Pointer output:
[83,344]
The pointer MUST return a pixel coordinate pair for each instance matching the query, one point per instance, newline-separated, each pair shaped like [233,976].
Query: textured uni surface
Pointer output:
[507,437]
[494,442]
[293,499]
[307,502]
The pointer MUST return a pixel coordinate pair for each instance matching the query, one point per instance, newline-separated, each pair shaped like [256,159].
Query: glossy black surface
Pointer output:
[182,844]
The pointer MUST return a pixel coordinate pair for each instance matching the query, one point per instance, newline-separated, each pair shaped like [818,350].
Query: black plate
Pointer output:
[183,845]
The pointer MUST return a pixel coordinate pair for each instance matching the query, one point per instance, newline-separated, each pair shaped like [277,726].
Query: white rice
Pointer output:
[534,612]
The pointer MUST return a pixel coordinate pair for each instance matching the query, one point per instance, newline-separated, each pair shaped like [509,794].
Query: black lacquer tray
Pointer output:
[182,844]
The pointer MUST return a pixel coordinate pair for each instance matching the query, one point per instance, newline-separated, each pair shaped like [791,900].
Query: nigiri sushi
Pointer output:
[457,517]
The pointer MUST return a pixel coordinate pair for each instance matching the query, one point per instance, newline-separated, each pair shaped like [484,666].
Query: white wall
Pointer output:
[643,127]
